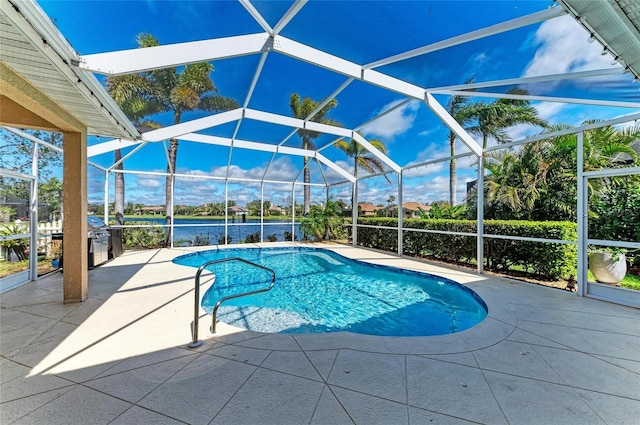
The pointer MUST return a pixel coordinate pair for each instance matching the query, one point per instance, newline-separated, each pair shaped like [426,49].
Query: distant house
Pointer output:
[154,210]
[366,209]
[275,210]
[412,209]
[237,210]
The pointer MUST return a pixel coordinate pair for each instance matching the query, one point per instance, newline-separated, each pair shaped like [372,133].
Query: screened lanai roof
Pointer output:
[384,62]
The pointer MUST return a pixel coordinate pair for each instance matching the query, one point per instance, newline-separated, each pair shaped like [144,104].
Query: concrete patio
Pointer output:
[541,356]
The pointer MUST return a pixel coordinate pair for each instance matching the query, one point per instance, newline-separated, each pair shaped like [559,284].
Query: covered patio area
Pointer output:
[541,356]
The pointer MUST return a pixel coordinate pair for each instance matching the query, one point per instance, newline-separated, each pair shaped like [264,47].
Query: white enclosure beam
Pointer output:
[452,124]
[572,100]
[531,19]
[317,57]
[177,130]
[149,58]
[288,16]
[257,16]
[375,152]
[328,129]
[253,114]
[245,144]
[530,80]
[110,146]
[323,159]
[394,84]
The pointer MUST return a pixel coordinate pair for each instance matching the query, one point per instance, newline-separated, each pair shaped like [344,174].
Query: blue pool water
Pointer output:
[317,290]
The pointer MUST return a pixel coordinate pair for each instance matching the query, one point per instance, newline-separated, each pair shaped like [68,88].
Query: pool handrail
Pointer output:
[196,317]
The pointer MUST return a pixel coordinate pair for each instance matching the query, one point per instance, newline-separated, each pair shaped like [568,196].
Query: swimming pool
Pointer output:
[318,290]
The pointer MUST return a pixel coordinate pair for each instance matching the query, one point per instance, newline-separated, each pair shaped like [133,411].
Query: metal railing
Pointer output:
[196,317]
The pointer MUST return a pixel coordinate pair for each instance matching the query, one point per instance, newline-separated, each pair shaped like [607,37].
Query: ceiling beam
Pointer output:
[453,125]
[523,21]
[177,130]
[157,57]
[571,100]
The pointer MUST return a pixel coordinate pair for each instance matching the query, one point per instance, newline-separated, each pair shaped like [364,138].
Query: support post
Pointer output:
[33,216]
[400,215]
[354,214]
[480,213]
[582,208]
[75,241]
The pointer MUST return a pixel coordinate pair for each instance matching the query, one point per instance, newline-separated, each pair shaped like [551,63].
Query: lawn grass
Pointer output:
[8,268]
[630,281]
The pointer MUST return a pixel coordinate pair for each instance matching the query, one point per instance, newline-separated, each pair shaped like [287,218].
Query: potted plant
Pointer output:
[608,265]
[56,253]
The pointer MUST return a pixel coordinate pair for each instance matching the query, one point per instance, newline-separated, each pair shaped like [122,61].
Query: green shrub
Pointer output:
[547,260]
[142,237]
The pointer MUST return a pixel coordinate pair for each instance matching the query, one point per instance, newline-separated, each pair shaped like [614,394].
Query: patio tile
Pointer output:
[329,411]
[200,390]
[81,405]
[451,389]
[370,410]
[380,375]
[269,397]
[17,329]
[323,361]
[138,415]
[630,365]
[292,362]
[613,410]
[16,384]
[29,295]
[280,342]
[148,359]
[11,411]
[239,353]
[40,346]
[545,402]
[134,384]
[588,341]
[591,373]
[521,335]
[516,358]
[82,311]
[421,416]
[581,319]
[465,359]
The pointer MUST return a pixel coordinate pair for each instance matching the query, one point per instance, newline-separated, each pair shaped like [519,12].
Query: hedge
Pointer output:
[547,260]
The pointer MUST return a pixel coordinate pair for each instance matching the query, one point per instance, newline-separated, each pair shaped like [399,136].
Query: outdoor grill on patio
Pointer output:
[98,241]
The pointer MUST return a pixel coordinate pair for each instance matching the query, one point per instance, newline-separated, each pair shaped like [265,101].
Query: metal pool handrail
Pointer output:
[196,342]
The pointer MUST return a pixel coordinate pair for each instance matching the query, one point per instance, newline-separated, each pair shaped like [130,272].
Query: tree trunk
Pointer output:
[171,168]
[119,189]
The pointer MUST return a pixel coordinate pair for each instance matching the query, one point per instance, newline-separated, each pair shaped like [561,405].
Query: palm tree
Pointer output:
[322,222]
[491,119]
[456,106]
[302,109]
[168,90]
[362,157]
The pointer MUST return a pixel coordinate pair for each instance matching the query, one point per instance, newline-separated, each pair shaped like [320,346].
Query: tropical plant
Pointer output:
[18,246]
[322,222]
[491,119]
[174,90]
[309,109]
[362,157]
[456,107]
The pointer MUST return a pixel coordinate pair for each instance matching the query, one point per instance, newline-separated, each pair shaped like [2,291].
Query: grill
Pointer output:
[98,241]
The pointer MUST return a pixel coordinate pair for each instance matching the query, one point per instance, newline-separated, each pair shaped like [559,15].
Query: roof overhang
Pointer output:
[32,47]
[615,24]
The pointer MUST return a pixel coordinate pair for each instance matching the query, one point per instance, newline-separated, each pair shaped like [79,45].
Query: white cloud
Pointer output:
[394,123]
[562,47]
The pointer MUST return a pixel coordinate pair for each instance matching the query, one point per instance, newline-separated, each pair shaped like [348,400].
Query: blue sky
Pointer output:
[361,32]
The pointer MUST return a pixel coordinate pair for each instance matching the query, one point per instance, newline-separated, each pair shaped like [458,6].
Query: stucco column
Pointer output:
[74,220]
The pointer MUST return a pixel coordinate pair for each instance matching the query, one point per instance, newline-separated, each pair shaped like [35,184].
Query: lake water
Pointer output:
[188,230]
